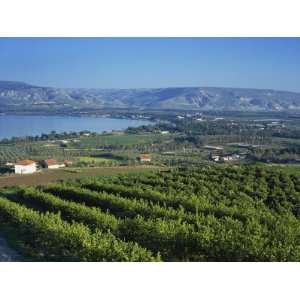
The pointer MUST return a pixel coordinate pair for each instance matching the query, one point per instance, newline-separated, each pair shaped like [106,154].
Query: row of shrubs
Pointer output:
[49,238]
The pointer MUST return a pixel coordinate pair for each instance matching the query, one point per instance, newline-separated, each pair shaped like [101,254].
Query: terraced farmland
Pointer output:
[205,214]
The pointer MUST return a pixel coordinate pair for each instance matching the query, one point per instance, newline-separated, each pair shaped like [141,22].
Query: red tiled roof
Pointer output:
[25,162]
[51,162]
[145,156]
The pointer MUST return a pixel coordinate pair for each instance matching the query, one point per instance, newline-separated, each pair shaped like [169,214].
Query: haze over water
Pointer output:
[20,126]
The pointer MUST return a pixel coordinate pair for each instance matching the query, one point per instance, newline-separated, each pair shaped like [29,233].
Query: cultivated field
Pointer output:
[230,213]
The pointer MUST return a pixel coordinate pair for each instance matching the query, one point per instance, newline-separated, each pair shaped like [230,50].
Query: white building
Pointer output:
[25,166]
[145,158]
[53,164]
[230,157]
[227,158]
[215,157]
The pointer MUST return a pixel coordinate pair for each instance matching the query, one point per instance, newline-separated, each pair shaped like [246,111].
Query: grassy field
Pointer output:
[73,173]
[120,140]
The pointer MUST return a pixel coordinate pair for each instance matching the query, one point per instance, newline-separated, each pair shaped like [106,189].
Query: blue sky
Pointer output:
[152,62]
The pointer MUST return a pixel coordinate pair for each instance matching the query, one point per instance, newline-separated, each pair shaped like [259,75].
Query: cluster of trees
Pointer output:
[246,213]
[161,126]
[277,155]
[191,134]
[287,133]
[36,151]
[53,135]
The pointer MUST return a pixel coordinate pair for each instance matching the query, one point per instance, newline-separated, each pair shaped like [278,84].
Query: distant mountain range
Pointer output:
[18,96]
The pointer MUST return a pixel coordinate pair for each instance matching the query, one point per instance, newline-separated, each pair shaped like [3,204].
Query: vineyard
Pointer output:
[224,213]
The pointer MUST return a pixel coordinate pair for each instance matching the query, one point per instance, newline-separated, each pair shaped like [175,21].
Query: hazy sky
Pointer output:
[152,62]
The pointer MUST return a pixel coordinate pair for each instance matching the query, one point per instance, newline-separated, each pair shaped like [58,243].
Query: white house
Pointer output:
[145,158]
[227,158]
[215,157]
[230,157]
[25,166]
[52,164]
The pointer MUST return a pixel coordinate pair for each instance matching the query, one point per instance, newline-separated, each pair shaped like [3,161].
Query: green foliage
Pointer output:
[94,217]
[232,213]
[50,238]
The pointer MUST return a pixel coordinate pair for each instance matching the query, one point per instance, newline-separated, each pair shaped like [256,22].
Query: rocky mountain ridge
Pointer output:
[19,95]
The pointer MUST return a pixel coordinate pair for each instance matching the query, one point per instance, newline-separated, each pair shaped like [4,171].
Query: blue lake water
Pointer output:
[20,126]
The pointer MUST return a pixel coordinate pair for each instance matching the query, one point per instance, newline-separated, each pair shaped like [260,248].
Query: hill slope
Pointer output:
[19,96]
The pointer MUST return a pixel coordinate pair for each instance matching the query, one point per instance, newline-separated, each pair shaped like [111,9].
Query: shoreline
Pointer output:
[32,120]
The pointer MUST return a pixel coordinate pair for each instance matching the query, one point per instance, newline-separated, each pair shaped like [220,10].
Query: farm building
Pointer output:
[68,163]
[215,157]
[230,157]
[52,164]
[145,158]
[25,166]
[117,132]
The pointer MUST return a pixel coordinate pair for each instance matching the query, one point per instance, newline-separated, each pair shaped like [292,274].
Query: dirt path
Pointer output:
[63,174]
[6,253]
